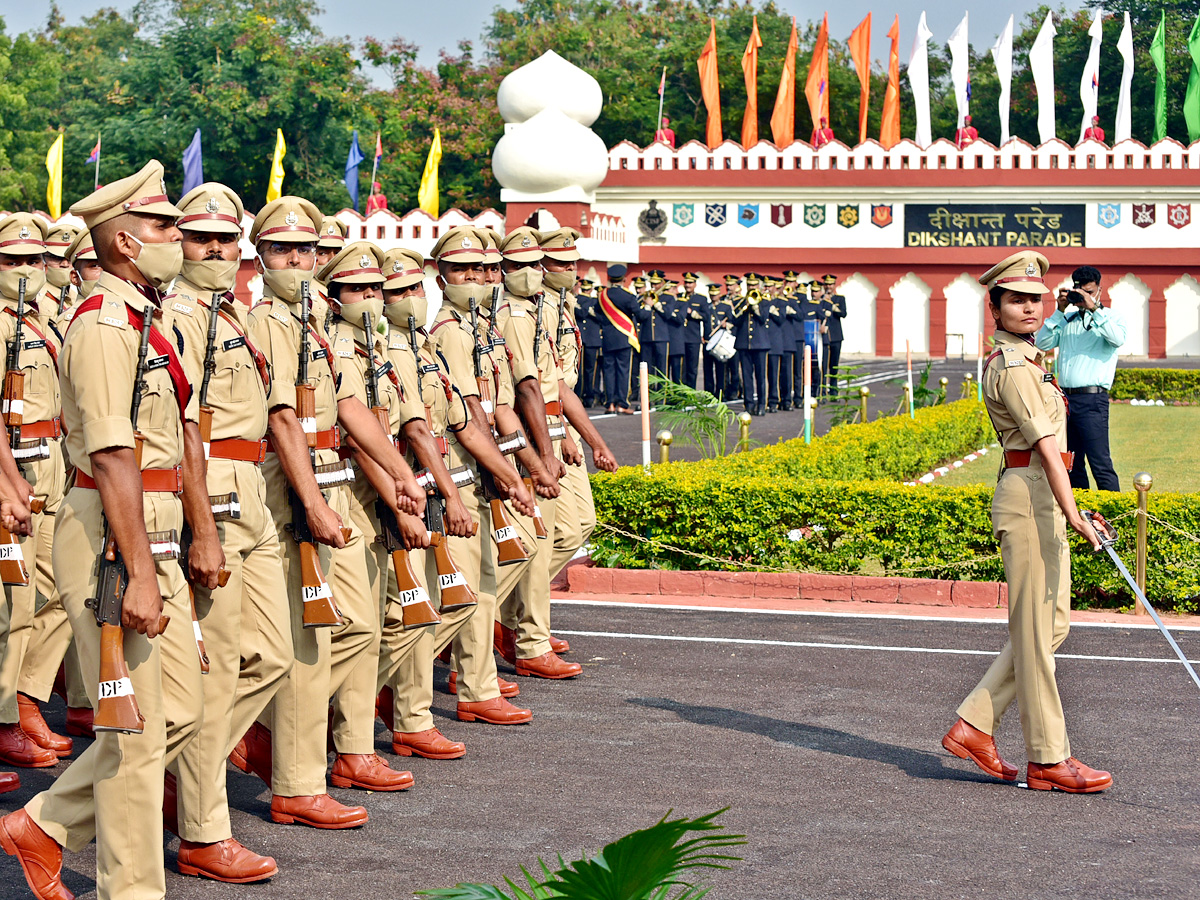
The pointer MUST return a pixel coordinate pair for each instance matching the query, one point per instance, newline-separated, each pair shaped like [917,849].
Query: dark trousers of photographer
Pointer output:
[1087,438]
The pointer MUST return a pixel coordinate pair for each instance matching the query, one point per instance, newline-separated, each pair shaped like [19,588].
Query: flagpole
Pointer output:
[96,185]
[374,172]
[662,90]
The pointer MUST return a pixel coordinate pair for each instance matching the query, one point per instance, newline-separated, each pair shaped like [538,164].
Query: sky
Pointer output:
[434,26]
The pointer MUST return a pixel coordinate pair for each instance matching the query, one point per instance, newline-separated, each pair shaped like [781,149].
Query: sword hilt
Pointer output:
[1104,531]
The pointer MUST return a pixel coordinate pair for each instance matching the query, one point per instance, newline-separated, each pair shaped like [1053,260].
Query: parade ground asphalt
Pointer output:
[820,732]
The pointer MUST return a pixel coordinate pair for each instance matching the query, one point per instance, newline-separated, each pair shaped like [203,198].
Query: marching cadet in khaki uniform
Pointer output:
[244,623]
[331,240]
[528,324]
[58,296]
[1031,510]
[35,466]
[287,747]
[114,790]
[50,643]
[575,517]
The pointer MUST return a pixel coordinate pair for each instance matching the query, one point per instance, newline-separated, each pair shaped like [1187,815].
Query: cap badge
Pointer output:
[567,242]
[364,262]
[1031,270]
[331,230]
[23,233]
[396,266]
[526,242]
[212,206]
[291,218]
[466,243]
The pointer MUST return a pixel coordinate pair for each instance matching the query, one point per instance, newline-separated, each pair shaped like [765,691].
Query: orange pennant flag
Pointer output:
[783,118]
[710,86]
[750,71]
[816,88]
[860,52]
[889,125]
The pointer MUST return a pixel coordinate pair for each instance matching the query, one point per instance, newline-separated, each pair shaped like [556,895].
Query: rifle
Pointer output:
[12,561]
[453,589]
[509,548]
[62,296]
[320,609]
[415,609]
[117,709]
[539,524]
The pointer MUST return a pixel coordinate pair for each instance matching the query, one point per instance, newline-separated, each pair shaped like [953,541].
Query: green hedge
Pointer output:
[1156,384]
[872,528]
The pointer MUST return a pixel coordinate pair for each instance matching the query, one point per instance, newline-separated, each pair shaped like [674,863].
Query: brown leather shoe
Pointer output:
[79,721]
[9,781]
[170,804]
[505,643]
[385,708]
[369,772]
[226,861]
[18,749]
[559,646]
[321,811]
[1070,775]
[548,665]
[444,656]
[507,688]
[967,742]
[253,753]
[496,711]
[40,857]
[39,732]
[430,743]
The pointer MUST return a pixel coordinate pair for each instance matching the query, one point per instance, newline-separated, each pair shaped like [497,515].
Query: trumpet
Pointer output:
[650,298]
[752,298]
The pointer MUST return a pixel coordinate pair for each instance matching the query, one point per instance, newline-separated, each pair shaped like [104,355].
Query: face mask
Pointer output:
[216,275]
[398,311]
[353,312]
[524,282]
[158,263]
[57,278]
[286,283]
[556,281]
[10,282]
[460,295]
[88,288]
[488,297]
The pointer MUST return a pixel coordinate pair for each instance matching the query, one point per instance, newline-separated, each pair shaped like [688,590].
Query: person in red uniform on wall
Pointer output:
[665,134]
[822,134]
[1094,132]
[965,135]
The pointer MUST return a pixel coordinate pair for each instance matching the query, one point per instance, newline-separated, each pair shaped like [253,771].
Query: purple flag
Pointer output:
[193,164]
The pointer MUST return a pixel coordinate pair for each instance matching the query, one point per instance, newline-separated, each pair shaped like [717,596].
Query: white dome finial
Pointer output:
[549,82]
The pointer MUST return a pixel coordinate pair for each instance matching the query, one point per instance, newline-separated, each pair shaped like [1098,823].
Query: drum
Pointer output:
[720,345]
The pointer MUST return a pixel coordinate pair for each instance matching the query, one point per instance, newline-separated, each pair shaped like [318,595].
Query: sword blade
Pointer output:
[1150,609]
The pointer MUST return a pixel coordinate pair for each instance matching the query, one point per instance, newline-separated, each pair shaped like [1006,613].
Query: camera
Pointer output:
[1076,298]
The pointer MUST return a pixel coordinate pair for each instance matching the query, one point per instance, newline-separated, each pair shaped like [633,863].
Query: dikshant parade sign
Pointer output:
[993,225]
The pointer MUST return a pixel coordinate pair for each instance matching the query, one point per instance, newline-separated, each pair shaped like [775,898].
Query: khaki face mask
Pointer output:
[398,311]
[524,282]
[217,275]
[286,284]
[158,263]
[10,282]
[57,278]
[556,281]
[353,312]
[460,296]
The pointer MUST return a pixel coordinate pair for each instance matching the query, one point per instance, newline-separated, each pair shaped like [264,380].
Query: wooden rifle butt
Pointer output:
[539,524]
[13,399]
[320,610]
[415,609]
[306,412]
[453,589]
[199,635]
[509,547]
[12,559]
[117,708]
[35,505]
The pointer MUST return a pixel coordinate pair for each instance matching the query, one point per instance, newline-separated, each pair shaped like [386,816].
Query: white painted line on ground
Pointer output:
[855,615]
[819,645]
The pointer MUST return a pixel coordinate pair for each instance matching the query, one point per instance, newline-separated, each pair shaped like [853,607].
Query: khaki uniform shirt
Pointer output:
[1024,403]
[568,346]
[452,340]
[516,320]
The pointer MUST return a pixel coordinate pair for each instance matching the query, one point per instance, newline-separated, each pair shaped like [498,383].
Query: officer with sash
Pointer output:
[617,308]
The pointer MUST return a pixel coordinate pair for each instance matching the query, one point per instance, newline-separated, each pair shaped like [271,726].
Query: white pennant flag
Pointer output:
[1089,82]
[918,80]
[1124,123]
[960,59]
[1002,54]
[1041,64]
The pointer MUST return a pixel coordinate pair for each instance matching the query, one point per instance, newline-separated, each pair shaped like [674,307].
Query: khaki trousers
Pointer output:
[575,517]
[249,646]
[50,645]
[527,609]
[114,791]
[1037,564]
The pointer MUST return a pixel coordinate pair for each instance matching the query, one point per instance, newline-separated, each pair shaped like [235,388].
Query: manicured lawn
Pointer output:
[1164,441]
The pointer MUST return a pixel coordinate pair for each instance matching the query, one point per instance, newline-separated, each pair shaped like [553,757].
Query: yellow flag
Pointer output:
[275,186]
[54,185]
[427,193]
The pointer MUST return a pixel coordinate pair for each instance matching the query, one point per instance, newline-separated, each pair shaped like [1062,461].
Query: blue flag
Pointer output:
[352,160]
[193,164]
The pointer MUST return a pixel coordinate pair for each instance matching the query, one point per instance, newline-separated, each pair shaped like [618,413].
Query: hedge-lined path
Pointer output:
[828,757]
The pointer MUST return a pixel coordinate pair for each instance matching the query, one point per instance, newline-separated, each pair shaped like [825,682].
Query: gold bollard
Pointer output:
[968,383]
[908,401]
[664,439]
[1142,481]
[743,431]
[863,393]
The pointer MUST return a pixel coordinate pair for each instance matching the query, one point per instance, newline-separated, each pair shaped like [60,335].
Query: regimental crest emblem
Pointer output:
[332,229]
[212,206]
[781,214]
[683,214]
[397,266]
[1031,270]
[1179,214]
[364,262]
[652,221]
[567,242]
[291,218]
[881,214]
[23,234]
[848,215]
[1143,214]
[715,214]
[814,214]
[526,241]
[466,243]
[1108,214]
[748,214]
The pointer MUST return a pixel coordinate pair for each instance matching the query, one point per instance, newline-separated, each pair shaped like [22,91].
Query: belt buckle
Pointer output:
[164,544]
[443,446]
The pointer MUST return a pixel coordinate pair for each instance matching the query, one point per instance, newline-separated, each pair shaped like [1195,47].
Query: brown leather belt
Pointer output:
[154,481]
[47,428]
[1019,459]
[238,449]
[553,408]
[326,440]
